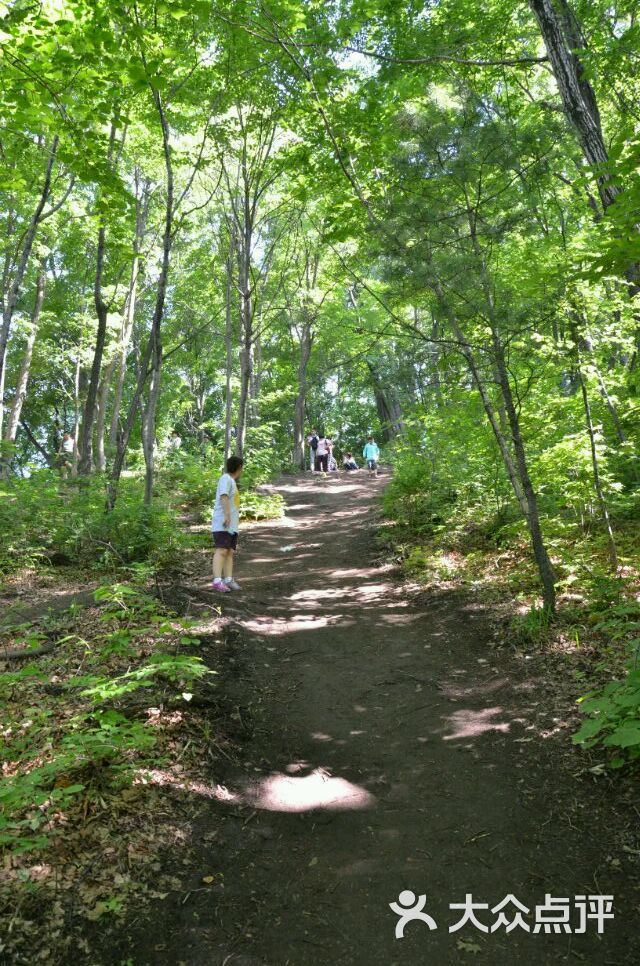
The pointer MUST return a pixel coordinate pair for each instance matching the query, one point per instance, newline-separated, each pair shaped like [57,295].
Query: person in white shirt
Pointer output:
[322,453]
[225,522]
[65,455]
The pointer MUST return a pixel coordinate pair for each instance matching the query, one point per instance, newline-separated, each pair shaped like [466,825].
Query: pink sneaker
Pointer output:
[221,586]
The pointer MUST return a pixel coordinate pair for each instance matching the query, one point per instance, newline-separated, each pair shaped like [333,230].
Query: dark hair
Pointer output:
[234,463]
[370,436]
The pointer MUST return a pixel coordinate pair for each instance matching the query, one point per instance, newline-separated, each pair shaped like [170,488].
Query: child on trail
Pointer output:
[322,453]
[348,462]
[224,524]
[312,440]
[371,453]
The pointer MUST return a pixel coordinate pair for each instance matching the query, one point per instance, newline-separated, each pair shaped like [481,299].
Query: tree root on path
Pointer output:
[22,654]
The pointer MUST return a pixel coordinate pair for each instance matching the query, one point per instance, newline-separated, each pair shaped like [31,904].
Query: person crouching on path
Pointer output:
[224,524]
[371,453]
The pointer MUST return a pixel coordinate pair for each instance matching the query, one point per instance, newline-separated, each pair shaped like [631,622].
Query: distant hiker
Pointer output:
[174,442]
[312,440]
[323,450]
[65,455]
[224,524]
[348,462]
[371,453]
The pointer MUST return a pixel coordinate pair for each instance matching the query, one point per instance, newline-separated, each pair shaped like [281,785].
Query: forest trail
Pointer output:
[393,749]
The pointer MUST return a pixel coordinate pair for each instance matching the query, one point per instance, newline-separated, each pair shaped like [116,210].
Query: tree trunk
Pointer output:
[148,414]
[152,355]
[101,417]
[597,483]
[389,412]
[142,211]
[91,402]
[25,365]
[306,343]
[562,40]
[246,326]
[532,516]
[545,569]
[10,301]
[228,336]
[77,386]
[487,404]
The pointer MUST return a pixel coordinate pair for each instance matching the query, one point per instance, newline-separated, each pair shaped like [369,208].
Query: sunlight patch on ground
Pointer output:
[366,592]
[319,790]
[301,622]
[279,792]
[470,724]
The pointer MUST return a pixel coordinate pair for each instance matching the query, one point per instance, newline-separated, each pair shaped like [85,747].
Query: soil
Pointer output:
[390,743]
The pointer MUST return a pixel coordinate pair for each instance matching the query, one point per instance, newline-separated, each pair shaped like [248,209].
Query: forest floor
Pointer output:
[367,736]
[394,745]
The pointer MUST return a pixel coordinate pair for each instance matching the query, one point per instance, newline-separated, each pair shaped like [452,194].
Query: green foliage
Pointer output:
[53,758]
[261,506]
[531,627]
[47,523]
[613,719]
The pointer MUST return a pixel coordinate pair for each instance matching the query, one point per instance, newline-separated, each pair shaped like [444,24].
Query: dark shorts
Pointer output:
[223,540]
[372,464]
[322,462]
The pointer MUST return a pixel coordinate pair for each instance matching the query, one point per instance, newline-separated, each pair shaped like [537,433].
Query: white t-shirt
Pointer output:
[323,446]
[226,487]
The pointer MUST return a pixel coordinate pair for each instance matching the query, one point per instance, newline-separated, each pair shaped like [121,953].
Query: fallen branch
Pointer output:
[23,653]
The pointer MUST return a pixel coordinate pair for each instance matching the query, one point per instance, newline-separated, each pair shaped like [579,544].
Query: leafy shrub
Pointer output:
[261,506]
[614,718]
[42,521]
[194,479]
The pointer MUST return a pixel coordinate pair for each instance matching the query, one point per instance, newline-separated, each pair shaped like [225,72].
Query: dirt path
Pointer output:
[393,749]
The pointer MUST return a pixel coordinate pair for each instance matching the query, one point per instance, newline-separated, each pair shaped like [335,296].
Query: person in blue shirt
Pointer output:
[371,453]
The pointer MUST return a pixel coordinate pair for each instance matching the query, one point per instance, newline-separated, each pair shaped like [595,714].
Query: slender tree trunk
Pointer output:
[434,359]
[91,402]
[25,366]
[48,457]
[142,212]
[77,386]
[148,414]
[246,323]
[101,417]
[9,303]
[597,483]
[152,355]
[228,336]
[306,343]
[545,569]
[543,562]
[476,375]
